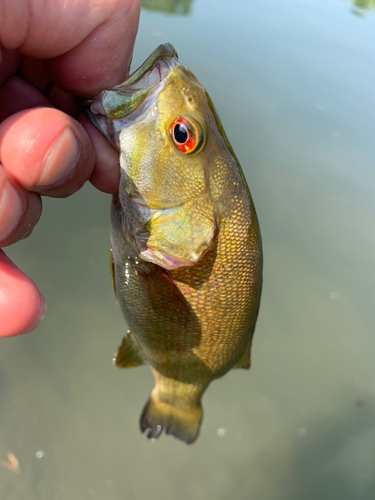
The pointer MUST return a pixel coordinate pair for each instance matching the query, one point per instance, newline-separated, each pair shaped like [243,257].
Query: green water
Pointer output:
[293,82]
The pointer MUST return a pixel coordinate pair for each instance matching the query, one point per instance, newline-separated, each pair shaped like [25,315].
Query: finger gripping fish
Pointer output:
[186,247]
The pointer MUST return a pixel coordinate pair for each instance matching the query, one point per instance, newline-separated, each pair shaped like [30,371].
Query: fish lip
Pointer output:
[119,107]
[129,95]
[163,51]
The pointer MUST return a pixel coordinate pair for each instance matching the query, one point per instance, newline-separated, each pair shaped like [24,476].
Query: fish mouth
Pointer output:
[117,107]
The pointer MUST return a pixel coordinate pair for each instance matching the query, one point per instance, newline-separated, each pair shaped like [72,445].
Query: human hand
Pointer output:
[49,51]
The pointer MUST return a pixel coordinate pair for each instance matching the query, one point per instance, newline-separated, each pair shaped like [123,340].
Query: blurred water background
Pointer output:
[293,82]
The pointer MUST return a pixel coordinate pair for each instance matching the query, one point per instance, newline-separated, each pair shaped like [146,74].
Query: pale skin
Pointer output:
[47,147]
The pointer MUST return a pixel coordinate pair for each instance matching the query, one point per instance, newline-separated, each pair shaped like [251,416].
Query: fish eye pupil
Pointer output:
[180,133]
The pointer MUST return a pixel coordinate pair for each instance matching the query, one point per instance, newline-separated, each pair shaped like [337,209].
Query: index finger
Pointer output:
[87,44]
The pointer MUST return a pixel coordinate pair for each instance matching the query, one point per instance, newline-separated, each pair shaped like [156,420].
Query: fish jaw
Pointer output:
[118,107]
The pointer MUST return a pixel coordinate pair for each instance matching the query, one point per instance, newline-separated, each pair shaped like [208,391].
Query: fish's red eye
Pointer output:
[184,135]
[180,133]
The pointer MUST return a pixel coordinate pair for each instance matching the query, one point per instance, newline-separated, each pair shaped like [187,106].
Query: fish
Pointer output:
[186,256]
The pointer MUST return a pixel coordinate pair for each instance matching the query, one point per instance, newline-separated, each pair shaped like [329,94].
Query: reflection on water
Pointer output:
[364,4]
[180,7]
[294,90]
[361,5]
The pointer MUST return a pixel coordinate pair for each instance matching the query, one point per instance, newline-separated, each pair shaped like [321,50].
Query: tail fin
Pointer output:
[183,424]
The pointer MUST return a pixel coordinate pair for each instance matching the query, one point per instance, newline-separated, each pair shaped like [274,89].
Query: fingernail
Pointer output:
[61,159]
[41,315]
[11,210]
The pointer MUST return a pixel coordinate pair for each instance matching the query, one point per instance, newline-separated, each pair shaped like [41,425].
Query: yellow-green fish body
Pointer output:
[187,256]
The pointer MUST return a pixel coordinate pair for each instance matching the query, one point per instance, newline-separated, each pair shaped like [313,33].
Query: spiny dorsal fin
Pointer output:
[129,354]
[244,361]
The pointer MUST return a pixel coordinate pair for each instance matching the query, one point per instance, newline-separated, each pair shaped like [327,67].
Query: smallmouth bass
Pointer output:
[186,248]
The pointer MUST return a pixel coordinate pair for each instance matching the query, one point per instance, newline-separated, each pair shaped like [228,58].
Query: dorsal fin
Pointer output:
[244,361]
[128,354]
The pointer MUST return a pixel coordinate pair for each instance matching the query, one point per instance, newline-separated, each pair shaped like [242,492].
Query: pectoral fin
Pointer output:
[180,236]
[129,354]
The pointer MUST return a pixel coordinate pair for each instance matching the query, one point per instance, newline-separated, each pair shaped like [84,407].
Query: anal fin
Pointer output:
[128,354]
